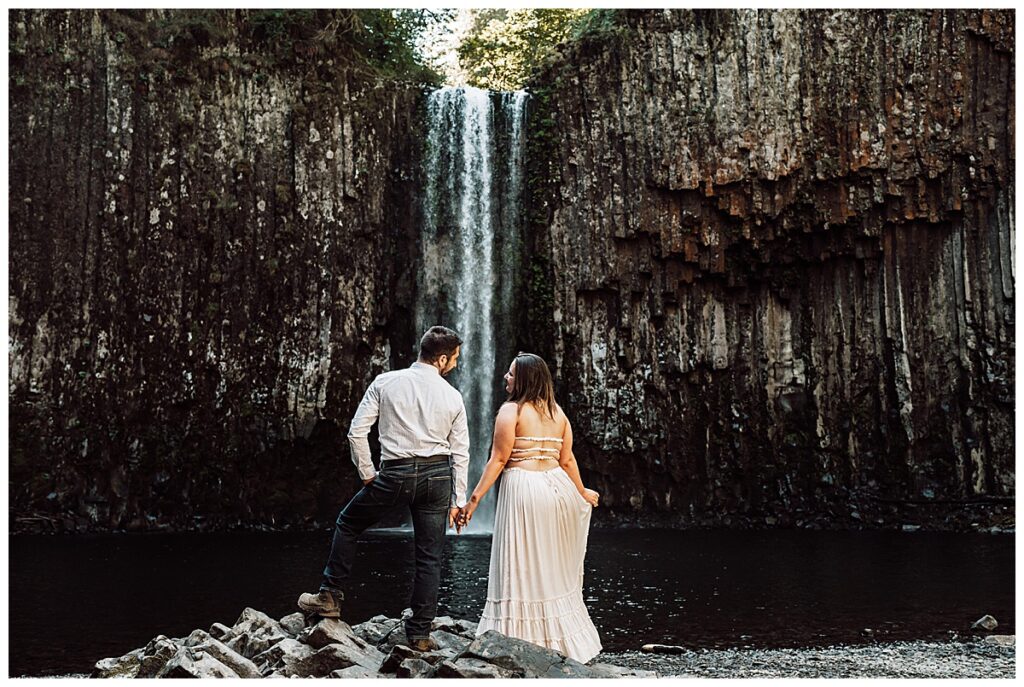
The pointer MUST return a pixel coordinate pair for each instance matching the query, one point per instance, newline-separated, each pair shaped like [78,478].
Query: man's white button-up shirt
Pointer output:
[420,415]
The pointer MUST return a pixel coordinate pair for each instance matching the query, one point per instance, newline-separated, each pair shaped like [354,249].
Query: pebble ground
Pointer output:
[920,659]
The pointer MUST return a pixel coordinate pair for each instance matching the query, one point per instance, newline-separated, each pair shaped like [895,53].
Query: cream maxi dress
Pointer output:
[535,586]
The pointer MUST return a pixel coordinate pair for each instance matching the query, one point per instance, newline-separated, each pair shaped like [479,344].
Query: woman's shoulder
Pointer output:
[508,408]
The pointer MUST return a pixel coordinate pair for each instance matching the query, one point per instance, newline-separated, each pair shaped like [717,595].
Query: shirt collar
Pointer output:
[424,366]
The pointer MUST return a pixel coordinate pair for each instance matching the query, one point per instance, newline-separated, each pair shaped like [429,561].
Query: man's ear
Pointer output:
[443,361]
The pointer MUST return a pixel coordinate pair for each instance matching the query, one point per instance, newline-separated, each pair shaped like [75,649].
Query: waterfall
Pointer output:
[470,247]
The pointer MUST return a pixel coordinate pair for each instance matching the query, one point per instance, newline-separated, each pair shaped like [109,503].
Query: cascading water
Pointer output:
[469,248]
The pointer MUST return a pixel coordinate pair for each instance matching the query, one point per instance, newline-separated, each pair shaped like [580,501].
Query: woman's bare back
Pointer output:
[532,426]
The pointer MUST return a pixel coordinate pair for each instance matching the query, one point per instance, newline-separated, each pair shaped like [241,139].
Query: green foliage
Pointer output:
[186,30]
[597,24]
[279,29]
[373,42]
[386,39]
[504,47]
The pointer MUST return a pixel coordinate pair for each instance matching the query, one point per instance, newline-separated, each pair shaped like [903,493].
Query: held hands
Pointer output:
[453,518]
[591,497]
[465,514]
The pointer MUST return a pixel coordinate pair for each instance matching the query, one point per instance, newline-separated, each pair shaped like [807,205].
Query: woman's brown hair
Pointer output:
[533,383]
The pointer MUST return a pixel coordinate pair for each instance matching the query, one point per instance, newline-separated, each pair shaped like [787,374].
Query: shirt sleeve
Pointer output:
[359,430]
[458,440]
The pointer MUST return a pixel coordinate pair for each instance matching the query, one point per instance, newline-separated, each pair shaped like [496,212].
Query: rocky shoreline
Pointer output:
[296,646]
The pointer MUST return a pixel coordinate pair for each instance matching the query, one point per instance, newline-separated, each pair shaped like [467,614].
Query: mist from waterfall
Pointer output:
[470,243]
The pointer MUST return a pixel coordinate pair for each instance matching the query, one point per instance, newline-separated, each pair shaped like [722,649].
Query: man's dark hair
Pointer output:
[438,341]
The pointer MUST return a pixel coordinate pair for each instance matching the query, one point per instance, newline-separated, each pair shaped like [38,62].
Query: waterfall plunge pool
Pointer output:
[76,599]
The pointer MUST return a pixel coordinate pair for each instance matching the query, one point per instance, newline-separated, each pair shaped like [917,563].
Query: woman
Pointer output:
[535,587]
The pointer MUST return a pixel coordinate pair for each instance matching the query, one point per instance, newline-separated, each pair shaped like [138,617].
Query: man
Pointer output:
[424,444]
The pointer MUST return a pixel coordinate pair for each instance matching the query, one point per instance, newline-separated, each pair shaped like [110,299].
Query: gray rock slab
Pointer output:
[329,631]
[220,631]
[252,644]
[355,672]
[283,654]
[471,668]
[293,624]
[466,628]
[376,629]
[414,668]
[197,637]
[242,666]
[255,622]
[397,655]
[447,640]
[188,662]
[330,658]
[156,655]
[119,666]
[523,658]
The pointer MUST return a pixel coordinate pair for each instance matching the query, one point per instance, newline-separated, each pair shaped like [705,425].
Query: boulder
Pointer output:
[242,666]
[986,623]
[447,640]
[378,628]
[282,655]
[1000,640]
[663,649]
[256,622]
[329,659]
[220,631]
[189,662]
[197,637]
[523,658]
[471,668]
[120,666]
[414,667]
[156,655]
[446,623]
[398,654]
[293,624]
[330,631]
[355,672]
[251,645]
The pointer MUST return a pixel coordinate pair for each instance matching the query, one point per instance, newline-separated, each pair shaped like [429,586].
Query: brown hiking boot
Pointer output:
[324,603]
[423,644]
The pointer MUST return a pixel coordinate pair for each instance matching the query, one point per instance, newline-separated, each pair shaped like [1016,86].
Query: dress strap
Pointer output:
[558,439]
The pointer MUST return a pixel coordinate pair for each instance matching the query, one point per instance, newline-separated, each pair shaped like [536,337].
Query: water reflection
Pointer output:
[76,599]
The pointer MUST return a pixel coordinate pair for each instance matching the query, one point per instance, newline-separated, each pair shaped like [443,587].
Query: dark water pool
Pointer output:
[74,600]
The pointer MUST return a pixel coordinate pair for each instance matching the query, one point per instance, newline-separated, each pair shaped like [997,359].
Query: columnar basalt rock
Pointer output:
[779,248]
[209,248]
[770,254]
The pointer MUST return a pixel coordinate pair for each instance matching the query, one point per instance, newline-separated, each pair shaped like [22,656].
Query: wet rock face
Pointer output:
[777,247]
[199,244]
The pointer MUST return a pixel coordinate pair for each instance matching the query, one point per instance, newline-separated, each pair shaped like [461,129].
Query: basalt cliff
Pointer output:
[768,253]
[776,250]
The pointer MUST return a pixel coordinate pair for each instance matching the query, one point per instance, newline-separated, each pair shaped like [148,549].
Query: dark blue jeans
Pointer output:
[424,486]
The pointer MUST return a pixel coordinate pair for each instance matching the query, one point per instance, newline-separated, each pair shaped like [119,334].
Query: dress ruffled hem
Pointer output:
[561,624]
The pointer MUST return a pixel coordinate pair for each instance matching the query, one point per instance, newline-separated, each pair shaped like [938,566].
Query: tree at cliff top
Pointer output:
[376,42]
[503,47]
